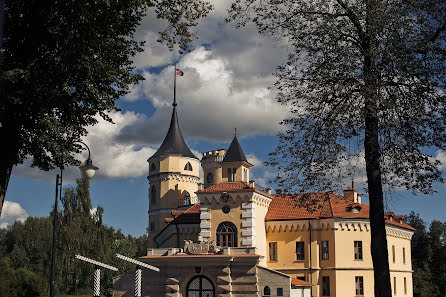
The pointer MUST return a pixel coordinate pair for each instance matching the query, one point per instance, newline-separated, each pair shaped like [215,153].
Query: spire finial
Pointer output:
[175,86]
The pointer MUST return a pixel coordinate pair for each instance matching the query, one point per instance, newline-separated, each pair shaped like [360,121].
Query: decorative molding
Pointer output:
[165,176]
[399,232]
[200,248]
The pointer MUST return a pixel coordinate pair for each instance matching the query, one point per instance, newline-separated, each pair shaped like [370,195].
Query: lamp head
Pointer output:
[88,170]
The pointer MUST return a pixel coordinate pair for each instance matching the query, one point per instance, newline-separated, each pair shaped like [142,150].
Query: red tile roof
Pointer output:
[236,186]
[189,216]
[320,205]
[298,282]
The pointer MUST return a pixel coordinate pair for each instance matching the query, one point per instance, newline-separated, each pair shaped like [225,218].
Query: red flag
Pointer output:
[179,72]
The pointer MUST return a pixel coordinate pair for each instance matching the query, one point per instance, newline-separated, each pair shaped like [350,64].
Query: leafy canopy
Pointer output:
[325,84]
[64,62]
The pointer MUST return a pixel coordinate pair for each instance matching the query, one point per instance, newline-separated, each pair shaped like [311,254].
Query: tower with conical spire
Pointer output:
[173,178]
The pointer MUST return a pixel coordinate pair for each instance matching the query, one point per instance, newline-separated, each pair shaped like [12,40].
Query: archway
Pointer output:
[200,286]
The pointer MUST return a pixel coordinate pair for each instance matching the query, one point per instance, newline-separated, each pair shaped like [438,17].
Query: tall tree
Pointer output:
[365,79]
[63,63]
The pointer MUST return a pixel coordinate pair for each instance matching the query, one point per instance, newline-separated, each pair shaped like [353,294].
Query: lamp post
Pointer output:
[88,171]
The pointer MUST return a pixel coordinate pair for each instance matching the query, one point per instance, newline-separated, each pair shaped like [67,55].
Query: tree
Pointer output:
[64,62]
[365,80]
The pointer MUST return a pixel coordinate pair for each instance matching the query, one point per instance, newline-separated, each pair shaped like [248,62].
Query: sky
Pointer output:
[228,83]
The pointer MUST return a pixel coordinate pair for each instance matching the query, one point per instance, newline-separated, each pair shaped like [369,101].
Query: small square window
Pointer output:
[279,292]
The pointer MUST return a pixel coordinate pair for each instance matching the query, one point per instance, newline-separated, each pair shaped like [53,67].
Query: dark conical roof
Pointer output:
[174,143]
[235,152]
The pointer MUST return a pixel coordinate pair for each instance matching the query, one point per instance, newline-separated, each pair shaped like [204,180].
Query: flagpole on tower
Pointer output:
[175,86]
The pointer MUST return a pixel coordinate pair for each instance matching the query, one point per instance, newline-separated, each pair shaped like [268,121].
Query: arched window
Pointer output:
[153,167]
[227,234]
[187,198]
[200,286]
[188,167]
[210,178]
[266,291]
[153,195]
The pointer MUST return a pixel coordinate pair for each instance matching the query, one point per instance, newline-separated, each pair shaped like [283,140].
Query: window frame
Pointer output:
[224,237]
[359,286]
[358,252]
[188,166]
[325,286]
[210,178]
[273,251]
[279,291]
[266,291]
[153,195]
[301,255]
[327,250]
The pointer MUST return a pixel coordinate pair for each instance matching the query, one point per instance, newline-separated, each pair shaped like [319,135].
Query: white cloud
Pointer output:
[11,212]
[211,103]
[115,159]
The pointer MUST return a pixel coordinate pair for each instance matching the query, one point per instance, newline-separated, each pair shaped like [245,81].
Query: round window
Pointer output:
[226,209]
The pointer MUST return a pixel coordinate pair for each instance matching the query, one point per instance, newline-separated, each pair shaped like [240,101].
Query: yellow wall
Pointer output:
[171,181]
[341,267]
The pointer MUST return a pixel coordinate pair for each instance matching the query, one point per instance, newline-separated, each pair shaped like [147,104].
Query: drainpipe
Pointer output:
[178,236]
[311,259]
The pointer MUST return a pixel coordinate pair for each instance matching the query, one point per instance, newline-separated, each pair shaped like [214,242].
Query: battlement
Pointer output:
[213,156]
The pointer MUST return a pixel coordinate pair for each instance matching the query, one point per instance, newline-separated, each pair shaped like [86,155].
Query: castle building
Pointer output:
[229,237]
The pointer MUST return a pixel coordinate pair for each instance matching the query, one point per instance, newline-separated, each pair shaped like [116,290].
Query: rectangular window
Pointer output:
[300,250]
[325,286]
[325,250]
[393,253]
[404,255]
[152,226]
[358,250]
[359,284]
[279,292]
[394,286]
[273,251]
[405,286]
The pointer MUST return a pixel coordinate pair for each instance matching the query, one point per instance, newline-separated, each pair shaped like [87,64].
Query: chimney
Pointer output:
[252,183]
[268,191]
[279,191]
[352,195]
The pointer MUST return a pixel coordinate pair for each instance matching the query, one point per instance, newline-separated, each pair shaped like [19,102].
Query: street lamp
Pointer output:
[88,171]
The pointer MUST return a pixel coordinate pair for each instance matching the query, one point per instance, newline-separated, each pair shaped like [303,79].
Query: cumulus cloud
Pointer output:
[225,86]
[210,104]
[115,159]
[11,212]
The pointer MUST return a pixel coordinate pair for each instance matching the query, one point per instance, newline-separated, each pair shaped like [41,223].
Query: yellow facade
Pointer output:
[171,181]
[341,266]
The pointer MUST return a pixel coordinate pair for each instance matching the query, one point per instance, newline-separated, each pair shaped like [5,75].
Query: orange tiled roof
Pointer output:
[298,282]
[236,186]
[189,216]
[321,205]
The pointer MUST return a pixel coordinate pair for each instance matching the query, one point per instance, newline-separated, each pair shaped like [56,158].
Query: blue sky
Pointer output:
[225,86]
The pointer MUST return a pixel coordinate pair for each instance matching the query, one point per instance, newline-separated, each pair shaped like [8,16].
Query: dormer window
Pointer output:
[188,167]
[354,208]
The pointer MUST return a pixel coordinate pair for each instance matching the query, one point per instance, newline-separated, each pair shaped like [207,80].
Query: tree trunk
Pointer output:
[5,174]
[8,158]
[380,256]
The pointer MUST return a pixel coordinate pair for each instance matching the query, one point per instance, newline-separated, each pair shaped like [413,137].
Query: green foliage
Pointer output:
[19,282]
[428,257]
[64,62]
[351,61]
[28,248]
